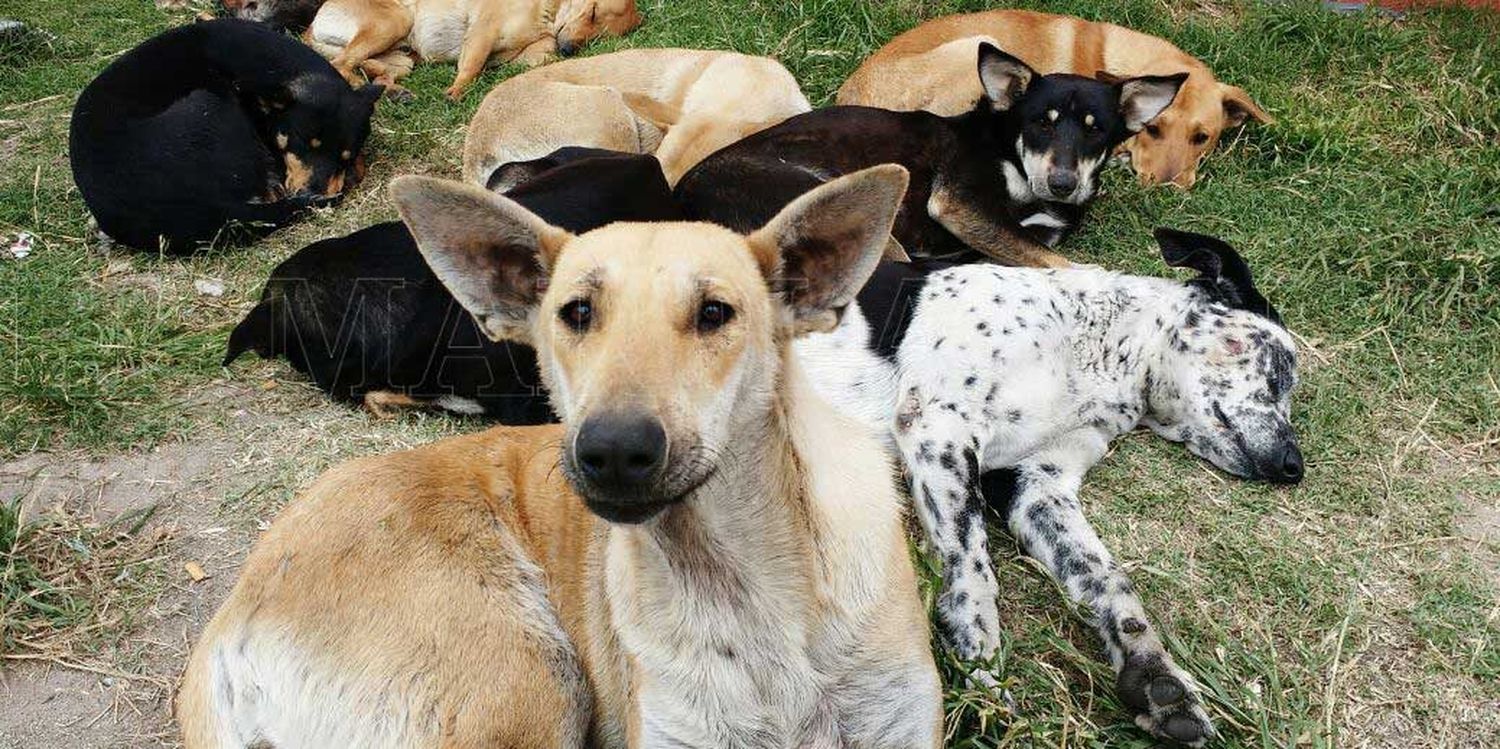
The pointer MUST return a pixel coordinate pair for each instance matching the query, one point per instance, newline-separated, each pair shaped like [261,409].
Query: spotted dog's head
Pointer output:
[317,127]
[1230,367]
[1068,125]
[577,22]
[660,344]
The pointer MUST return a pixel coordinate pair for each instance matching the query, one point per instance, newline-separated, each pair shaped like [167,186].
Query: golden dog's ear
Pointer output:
[489,251]
[822,247]
[658,113]
[1238,107]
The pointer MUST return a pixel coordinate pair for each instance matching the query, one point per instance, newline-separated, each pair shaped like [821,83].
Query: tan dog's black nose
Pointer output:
[621,453]
[565,46]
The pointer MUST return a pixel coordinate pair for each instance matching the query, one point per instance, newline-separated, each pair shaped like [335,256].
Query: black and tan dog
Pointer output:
[212,125]
[365,317]
[704,553]
[1007,180]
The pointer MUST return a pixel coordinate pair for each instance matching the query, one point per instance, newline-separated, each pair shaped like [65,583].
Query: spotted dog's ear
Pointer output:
[1221,270]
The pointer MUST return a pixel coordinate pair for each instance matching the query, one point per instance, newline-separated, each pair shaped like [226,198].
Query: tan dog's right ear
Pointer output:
[489,251]
[1238,107]
[822,247]
[658,113]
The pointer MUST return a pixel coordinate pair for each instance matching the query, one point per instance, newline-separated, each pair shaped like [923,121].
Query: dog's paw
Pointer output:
[970,624]
[1165,700]
[398,94]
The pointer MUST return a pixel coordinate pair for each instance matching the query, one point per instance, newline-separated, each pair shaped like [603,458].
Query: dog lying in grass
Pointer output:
[1007,180]
[928,68]
[976,368]
[365,317]
[704,554]
[371,36]
[219,124]
[680,104]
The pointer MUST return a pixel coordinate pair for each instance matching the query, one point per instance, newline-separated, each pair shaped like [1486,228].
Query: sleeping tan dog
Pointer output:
[680,104]
[931,67]
[703,554]
[371,36]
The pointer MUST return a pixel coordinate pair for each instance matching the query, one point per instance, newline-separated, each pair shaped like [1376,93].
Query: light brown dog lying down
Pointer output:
[680,104]
[931,67]
[371,36]
[704,553]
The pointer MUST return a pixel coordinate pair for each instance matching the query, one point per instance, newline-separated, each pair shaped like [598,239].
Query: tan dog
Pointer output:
[367,35]
[680,104]
[724,565]
[931,67]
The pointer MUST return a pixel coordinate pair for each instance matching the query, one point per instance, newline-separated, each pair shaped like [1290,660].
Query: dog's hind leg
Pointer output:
[351,33]
[1045,517]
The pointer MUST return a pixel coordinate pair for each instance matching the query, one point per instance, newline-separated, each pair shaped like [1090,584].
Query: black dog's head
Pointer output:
[278,14]
[318,126]
[1068,125]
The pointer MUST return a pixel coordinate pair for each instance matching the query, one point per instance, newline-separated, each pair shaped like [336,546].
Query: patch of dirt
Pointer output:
[262,439]
[1481,524]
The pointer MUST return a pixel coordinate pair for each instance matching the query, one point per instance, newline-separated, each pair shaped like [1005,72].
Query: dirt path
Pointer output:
[211,494]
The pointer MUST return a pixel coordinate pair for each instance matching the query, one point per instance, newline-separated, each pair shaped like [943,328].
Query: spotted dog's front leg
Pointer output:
[942,455]
[1045,517]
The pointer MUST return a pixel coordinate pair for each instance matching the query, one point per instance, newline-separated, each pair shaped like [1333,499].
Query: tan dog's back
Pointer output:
[433,574]
[680,104]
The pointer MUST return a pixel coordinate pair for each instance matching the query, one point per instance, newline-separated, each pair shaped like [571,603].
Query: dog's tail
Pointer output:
[258,332]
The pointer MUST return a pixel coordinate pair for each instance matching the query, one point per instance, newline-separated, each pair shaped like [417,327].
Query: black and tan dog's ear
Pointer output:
[1221,270]
[1238,107]
[1003,78]
[491,253]
[822,247]
[1143,98]
[369,93]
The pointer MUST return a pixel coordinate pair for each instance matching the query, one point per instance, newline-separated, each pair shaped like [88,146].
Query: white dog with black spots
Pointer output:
[975,368]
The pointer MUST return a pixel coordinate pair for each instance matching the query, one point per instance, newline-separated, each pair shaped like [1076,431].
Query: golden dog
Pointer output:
[680,104]
[931,67]
[367,35]
[705,553]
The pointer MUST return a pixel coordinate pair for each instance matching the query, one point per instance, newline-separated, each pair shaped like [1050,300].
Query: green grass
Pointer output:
[1342,612]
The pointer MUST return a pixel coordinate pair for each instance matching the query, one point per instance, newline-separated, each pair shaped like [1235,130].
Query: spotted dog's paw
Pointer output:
[970,624]
[1165,699]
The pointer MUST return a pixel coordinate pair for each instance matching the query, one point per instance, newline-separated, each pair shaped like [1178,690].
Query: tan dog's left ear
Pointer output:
[1238,107]
[822,247]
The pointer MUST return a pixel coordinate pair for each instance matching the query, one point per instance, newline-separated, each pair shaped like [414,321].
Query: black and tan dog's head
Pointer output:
[1065,127]
[661,344]
[317,126]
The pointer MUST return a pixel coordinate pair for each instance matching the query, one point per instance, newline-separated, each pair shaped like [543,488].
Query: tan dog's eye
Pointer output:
[577,315]
[1153,131]
[712,315]
[1200,138]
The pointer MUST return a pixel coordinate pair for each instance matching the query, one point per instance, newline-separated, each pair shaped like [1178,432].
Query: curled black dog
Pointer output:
[218,125]
[1008,180]
[365,317]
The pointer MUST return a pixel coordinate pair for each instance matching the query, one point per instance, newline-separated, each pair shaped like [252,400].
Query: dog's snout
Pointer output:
[565,46]
[621,452]
[1289,468]
[1062,182]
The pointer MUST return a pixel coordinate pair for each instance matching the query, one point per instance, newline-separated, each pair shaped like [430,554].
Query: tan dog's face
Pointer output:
[1171,146]
[660,344]
[577,22]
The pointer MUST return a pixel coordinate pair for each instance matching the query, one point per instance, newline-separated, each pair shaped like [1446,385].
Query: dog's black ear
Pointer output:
[1221,271]
[369,94]
[1143,98]
[1003,78]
